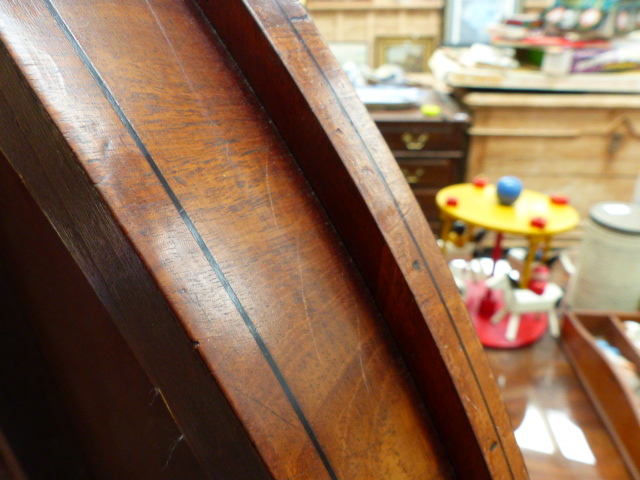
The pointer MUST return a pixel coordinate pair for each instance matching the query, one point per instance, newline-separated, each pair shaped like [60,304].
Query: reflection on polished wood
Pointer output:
[546,403]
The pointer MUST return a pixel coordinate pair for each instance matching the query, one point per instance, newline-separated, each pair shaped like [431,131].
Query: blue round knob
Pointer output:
[508,189]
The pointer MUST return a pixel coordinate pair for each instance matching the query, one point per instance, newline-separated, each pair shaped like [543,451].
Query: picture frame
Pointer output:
[410,53]
[467,21]
[338,1]
[356,52]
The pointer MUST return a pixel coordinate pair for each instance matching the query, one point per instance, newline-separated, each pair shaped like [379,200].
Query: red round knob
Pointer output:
[480,182]
[559,199]
[452,202]
[538,222]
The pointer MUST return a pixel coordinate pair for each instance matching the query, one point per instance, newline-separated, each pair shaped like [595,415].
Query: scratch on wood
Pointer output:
[271,411]
[197,301]
[155,392]
[304,298]
[345,424]
[362,369]
[192,88]
[173,50]
[300,18]
[102,181]
[470,402]
[106,147]
[172,449]
[269,194]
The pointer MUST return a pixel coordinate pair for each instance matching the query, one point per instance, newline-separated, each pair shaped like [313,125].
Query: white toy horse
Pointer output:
[517,301]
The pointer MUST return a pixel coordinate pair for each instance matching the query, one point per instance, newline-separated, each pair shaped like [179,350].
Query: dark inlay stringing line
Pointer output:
[195,233]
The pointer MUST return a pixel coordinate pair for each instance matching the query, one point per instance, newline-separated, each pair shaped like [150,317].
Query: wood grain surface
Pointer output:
[240,218]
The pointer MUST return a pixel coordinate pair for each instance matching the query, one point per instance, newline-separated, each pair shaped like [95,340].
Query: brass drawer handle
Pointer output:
[413,177]
[413,143]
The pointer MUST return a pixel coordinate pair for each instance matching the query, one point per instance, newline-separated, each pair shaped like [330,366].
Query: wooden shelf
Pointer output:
[538,4]
[563,100]
[344,5]
[447,68]
[398,5]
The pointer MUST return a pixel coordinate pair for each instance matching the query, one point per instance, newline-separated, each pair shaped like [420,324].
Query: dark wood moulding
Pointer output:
[218,260]
[617,405]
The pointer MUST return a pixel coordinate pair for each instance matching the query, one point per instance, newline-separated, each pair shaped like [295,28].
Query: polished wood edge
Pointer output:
[627,348]
[350,169]
[40,155]
[612,400]
[561,100]
[9,463]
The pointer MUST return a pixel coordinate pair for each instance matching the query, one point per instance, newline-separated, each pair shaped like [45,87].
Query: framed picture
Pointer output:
[338,1]
[410,53]
[467,21]
[356,52]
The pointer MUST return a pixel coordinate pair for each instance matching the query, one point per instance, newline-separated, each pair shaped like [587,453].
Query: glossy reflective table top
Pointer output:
[556,427]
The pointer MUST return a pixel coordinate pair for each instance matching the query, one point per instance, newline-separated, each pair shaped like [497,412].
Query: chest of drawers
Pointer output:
[582,145]
[430,149]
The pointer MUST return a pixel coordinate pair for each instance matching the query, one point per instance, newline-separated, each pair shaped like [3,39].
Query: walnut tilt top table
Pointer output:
[534,215]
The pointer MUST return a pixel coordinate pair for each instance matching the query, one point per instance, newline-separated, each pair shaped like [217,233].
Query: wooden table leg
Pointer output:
[526,267]
[546,249]
[447,223]
[468,233]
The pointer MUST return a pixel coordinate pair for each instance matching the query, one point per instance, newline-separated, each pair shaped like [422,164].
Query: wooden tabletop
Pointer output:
[558,431]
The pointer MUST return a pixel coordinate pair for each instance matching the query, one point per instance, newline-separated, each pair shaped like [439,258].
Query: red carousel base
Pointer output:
[482,303]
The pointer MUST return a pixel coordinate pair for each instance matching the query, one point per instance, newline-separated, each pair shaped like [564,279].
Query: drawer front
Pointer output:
[427,200]
[423,138]
[432,173]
